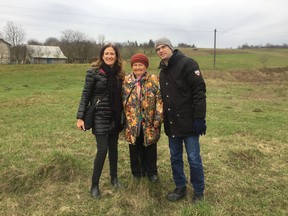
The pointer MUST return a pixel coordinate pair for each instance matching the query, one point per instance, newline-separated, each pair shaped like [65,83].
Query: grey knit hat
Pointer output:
[163,41]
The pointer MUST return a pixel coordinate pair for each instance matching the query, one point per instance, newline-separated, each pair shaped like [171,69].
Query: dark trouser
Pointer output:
[104,144]
[143,159]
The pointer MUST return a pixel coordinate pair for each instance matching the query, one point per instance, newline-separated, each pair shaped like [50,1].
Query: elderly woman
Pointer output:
[143,108]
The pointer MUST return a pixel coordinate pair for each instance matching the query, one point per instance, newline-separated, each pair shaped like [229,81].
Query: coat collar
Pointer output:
[177,55]
[132,78]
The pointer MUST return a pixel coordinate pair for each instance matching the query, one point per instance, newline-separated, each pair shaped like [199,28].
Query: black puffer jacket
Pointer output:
[183,93]
[96,87]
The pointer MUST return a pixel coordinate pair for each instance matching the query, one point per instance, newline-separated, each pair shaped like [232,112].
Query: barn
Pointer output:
[5,56]
[37,54]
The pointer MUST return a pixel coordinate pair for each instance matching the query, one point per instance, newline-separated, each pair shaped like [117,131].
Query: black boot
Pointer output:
[197,197]
[95,192]
[115,182]
[153,178]
[177,194]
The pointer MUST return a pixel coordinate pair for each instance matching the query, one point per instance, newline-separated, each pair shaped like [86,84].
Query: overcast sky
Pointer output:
[183,21]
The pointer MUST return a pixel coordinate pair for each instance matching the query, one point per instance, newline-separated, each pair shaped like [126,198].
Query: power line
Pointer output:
[118,19]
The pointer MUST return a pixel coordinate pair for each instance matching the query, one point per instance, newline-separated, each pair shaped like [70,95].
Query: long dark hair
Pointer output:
[119,61]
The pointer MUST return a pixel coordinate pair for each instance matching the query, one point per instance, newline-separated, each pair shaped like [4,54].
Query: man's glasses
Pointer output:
[160,47]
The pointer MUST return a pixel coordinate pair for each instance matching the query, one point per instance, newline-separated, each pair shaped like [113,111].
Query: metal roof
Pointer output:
[39,51]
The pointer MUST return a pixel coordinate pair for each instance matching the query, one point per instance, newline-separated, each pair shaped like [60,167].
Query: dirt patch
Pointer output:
[274,70]
[263,75]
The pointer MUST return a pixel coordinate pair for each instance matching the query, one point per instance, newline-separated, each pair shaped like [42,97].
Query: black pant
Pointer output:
[105,143]
[143,159]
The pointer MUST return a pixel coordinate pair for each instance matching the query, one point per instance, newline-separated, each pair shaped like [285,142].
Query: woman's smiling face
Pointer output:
[138,69]
[109,56]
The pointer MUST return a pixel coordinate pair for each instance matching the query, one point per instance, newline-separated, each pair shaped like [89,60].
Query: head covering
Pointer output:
[163,41]
[139,57]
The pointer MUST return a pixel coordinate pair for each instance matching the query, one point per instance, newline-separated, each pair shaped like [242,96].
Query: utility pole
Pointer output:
[214,48]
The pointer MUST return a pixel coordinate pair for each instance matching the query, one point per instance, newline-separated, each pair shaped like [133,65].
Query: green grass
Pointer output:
[46,163]
[239,59]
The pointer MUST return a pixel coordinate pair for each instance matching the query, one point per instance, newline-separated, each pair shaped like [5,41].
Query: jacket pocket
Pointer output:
[184,121]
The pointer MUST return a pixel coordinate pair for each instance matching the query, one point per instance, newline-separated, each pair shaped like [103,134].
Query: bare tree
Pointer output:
[75,46]
[15,35]
[33,42]
[51,41]
[72,36]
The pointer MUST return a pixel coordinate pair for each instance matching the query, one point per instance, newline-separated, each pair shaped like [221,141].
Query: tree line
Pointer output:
[74,44]
[78,48]
[268,45]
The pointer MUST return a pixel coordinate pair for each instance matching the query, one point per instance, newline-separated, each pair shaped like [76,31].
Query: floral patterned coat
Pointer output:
[149,106]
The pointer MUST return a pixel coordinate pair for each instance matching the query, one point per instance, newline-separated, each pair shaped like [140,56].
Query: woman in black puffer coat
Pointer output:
[103,83]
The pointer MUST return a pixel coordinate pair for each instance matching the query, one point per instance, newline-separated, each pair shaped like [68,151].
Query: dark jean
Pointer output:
[194,159]
[105,144]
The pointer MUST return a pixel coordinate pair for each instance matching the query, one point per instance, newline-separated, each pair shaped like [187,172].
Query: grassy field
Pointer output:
[46,163]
